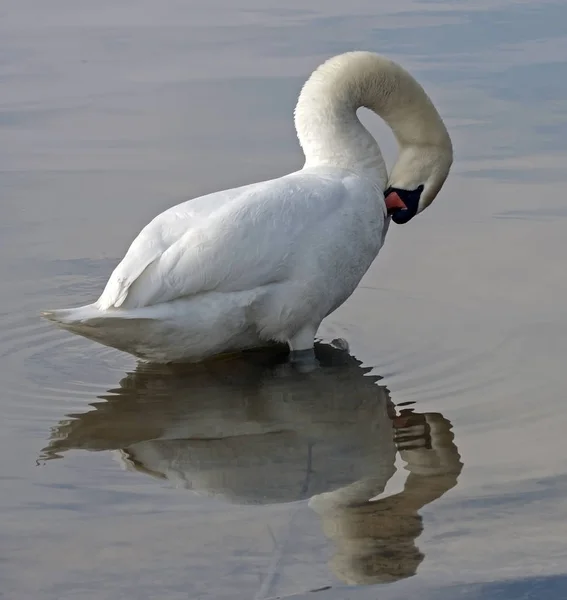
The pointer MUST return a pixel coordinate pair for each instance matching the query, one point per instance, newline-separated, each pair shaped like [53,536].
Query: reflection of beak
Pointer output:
[425,442]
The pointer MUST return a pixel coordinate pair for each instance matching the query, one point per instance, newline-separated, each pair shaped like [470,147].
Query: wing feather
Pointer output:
[249,237]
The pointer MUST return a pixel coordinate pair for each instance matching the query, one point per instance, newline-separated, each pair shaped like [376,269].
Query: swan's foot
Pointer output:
[302,352]
[304,361]
[298,361]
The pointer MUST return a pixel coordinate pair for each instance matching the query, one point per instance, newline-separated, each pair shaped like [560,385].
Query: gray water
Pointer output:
[442,426]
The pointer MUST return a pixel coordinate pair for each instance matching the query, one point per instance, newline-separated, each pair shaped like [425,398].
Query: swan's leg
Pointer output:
[303,340]
[301,346]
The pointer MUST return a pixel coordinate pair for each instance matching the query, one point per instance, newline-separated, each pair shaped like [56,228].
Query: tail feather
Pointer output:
[68,316]
[116,329]
[91,315]
[82,315]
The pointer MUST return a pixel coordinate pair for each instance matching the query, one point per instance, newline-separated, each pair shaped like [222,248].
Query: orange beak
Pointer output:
[394,202]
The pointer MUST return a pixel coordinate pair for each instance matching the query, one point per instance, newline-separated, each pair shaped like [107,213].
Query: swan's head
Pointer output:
[416,179]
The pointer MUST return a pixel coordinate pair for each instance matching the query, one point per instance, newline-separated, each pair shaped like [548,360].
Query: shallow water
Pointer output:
[221,481]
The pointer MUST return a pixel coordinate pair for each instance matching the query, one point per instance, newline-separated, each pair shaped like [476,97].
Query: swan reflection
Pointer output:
[248,432]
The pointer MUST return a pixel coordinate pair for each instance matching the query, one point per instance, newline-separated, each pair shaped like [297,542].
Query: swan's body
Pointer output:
[269,261]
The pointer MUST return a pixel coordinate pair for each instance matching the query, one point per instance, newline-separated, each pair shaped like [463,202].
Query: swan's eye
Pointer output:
[395,197]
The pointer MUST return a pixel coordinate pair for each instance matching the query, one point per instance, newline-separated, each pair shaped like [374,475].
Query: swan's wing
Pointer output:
[137,259]
[155,238]
[249,240]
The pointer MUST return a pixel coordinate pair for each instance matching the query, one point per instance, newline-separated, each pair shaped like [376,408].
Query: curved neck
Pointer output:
[330,132]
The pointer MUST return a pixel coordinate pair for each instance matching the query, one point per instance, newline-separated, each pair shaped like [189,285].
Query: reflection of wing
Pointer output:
[375,540]
[239,429]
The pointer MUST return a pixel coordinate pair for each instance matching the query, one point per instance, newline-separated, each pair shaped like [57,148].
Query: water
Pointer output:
[221,481]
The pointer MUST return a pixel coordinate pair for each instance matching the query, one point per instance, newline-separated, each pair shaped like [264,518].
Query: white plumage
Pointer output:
[269,261]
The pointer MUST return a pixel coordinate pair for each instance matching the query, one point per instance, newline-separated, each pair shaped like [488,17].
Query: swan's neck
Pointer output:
[330,132]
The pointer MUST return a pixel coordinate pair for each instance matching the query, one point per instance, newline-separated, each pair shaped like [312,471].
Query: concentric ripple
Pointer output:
[47,370]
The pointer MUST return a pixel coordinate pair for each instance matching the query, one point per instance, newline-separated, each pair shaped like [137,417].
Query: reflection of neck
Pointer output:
[420,490]
[395,515]
[375,540]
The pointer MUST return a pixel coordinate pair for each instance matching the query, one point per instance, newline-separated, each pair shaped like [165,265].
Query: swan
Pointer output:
[267,262]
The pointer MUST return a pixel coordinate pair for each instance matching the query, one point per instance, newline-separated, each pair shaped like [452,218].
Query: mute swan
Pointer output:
[269,261]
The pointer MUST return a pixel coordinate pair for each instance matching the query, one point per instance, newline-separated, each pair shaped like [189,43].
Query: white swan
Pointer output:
[269,261]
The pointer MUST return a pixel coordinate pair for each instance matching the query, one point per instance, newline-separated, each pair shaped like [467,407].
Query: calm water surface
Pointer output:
[426,458]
